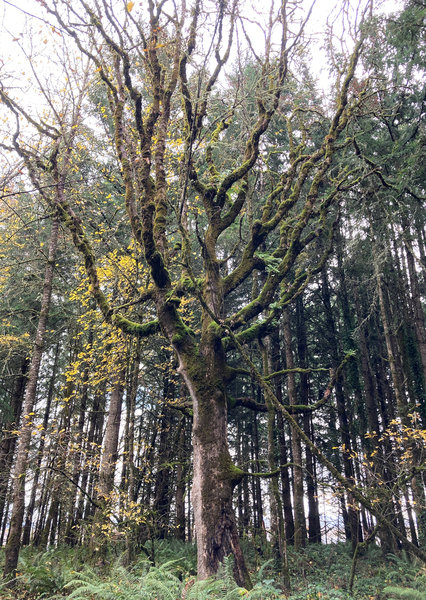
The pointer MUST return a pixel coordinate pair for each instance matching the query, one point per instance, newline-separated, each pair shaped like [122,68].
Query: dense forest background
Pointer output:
[212,311]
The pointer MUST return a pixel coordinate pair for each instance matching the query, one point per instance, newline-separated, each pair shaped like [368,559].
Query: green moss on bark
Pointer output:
[229,471]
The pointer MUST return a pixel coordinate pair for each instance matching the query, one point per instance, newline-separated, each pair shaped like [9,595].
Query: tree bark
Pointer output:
[417,484]
[110,447]
[29,516]
[352,509]
[215,475]
[14,539]
[314,525]
[181,471]
[298,493]
[8,442]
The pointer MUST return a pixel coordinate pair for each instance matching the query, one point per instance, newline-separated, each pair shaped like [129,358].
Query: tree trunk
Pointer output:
[215,476]
[181,471]
[296,446]
[352,509]
[402,406]
[256,487]
[110,447]
[285,482]
[8,442]
[14,539]
[314,525]
[29,516]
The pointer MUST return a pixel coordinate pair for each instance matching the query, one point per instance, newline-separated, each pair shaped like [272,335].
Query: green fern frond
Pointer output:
[404,593]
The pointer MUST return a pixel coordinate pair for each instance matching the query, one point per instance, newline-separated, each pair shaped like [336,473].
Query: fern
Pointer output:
[264,591]
[404,593]
[261,575]
[225,589]
[158,582]
[208,589]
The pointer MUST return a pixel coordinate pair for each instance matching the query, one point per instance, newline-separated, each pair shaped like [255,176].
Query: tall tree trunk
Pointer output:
[29,516]
[296,446]
[215,475]
[110,446]
[279,538]
[417,484]
[341,412]
[314,529]
[181,471]
[8,442]
[214,480]
[14,539]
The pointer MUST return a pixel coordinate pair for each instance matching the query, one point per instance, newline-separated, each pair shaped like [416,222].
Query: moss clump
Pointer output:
[135,328]
[182,333]
[229,471]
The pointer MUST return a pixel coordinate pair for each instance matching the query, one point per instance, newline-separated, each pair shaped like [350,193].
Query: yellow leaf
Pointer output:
[129,6]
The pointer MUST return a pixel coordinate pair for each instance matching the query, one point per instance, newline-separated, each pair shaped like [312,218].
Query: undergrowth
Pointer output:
[320,572]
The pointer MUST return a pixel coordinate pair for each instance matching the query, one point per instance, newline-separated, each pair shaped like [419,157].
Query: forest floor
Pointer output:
[320,572]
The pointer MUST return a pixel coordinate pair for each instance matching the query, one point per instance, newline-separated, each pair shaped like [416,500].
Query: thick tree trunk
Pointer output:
[14,539]
[215,476]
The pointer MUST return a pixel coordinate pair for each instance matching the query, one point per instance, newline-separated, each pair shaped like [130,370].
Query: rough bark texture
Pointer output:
[215,476]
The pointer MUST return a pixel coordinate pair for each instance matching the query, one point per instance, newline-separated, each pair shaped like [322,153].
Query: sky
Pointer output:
[13,15]
[15,24]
